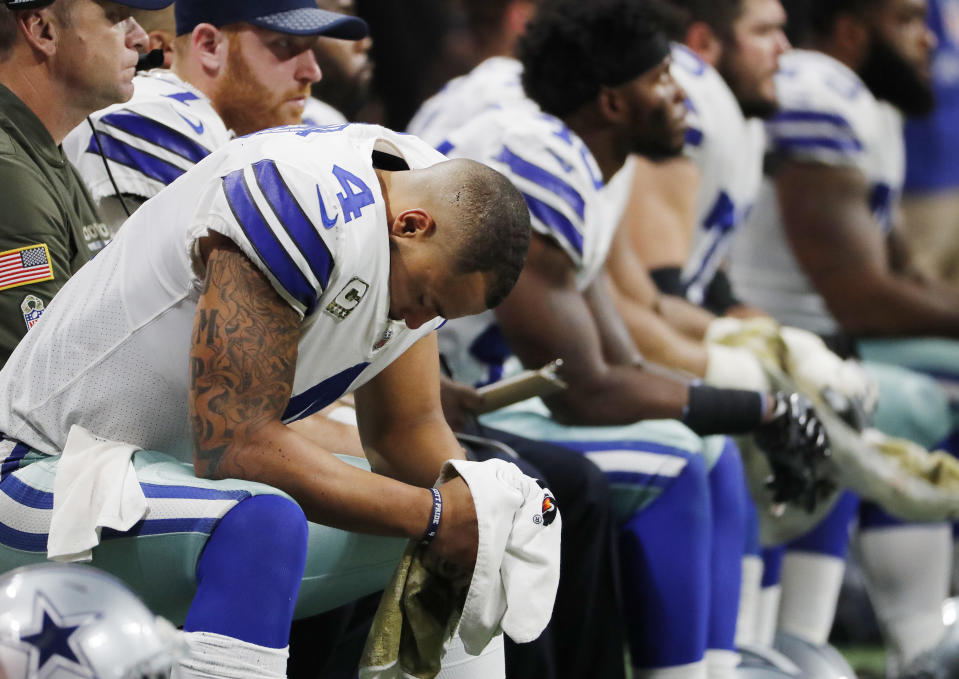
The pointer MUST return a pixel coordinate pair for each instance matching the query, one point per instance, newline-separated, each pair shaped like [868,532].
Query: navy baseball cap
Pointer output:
[296,17]
[136,4]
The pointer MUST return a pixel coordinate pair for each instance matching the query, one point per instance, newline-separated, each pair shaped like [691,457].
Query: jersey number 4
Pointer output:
[356,194]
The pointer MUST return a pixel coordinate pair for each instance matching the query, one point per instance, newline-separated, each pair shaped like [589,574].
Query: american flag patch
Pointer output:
[25,265]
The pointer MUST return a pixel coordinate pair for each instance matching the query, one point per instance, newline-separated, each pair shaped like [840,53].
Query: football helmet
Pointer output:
[68,620]
[758,662]
[815,662]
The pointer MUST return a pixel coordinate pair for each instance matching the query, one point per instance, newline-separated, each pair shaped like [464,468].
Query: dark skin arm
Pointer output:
[546,317]
[243,358]
[638,301]
[849,261]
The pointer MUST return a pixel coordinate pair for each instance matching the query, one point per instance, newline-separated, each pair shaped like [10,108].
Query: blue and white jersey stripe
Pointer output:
[149,141]
[26,508]
[805,131]
[286,241]
[299,227]
[553,170]
[826,114]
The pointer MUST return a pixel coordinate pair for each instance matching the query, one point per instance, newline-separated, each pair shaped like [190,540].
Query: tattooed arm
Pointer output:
[243,357]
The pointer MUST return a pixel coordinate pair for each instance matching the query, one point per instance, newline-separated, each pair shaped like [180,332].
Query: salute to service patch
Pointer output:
[30,264]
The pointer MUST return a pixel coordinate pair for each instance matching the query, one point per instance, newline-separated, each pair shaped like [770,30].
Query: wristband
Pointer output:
[722,411]
[435,516]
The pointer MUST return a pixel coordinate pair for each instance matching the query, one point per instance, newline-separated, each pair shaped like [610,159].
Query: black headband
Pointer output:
[640,59]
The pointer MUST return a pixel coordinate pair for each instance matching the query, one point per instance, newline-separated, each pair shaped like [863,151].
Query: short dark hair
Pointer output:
[573,48]
[719,15]
[495,238]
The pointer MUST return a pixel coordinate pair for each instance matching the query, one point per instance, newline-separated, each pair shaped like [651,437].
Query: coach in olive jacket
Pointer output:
[60,60]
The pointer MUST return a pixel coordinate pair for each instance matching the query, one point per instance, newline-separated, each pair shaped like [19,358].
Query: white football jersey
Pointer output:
[494,83]
[167,127]
[728,150]
[319,113]
[561,182]
[305,205]
[827,116]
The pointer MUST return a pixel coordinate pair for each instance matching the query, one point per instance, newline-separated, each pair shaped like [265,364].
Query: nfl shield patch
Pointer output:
[32,308]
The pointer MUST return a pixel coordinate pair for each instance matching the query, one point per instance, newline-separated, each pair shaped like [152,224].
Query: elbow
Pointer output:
[207,463]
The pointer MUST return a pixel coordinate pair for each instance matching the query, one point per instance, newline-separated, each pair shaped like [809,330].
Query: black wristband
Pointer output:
[669,280]
[719,295]
[722,411]
[435,516]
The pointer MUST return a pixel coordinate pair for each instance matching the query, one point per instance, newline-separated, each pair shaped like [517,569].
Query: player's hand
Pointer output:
[460,403]
[796,445]
[457,539]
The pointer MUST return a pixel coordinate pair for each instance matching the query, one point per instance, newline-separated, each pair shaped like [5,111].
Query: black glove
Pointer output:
[796,446]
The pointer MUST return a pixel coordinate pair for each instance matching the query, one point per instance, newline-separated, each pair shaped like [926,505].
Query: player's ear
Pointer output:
[412,224]
[162,40]
[702,39]
[210,46]
[612,104]
[40,28]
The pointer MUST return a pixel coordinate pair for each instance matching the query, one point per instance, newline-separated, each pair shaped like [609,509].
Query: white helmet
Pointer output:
[815,661]
[760,662]
[67,620]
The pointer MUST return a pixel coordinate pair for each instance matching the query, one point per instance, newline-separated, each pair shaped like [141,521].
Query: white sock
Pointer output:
[810,590]
[747,618]
[907,570]
[214,656]
[458,664]
[721,663]
[694,670]
[766,615]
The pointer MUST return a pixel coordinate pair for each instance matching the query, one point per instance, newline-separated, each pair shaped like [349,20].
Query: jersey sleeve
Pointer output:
[545,163]
[35,260]
[147,143]
[823,114]
[284,220]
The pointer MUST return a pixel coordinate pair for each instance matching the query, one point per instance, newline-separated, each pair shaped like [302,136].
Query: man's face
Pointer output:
[657,127]
[750,57]
[897,67]
[424,285]
[347,69]
[98,53]
[266,80]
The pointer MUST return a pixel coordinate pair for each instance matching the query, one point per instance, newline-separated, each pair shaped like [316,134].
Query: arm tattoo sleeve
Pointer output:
[242,360]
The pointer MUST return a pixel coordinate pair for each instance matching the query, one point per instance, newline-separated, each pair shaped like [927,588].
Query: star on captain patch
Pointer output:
[50,641]
[32,308]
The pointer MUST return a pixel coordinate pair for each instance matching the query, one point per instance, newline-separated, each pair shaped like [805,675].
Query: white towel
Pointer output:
[517,564]
[95,487]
